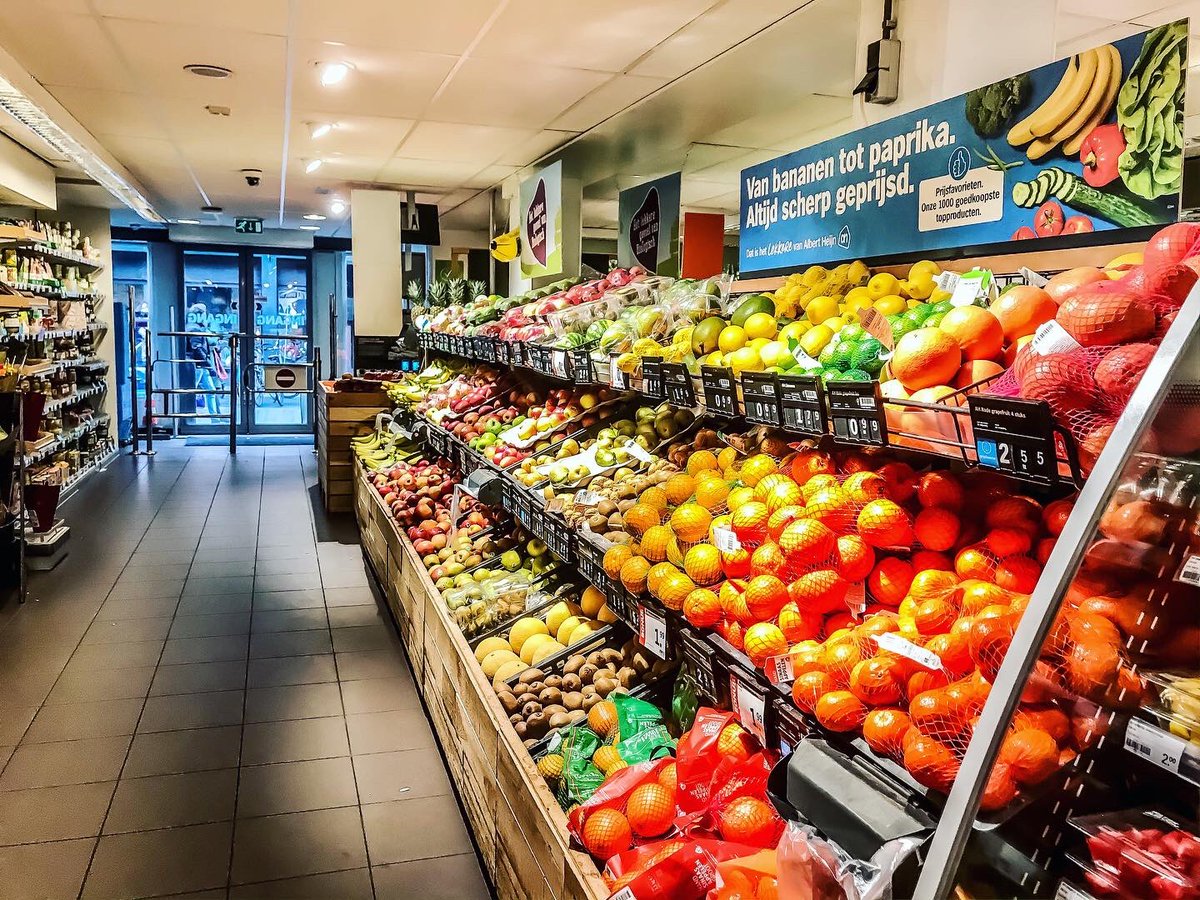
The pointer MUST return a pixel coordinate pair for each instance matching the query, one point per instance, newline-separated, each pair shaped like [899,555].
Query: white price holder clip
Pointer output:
[587,498]
[1032,278]
[971,286]
[901,646]
[751,709]
[725,540]
[652,631]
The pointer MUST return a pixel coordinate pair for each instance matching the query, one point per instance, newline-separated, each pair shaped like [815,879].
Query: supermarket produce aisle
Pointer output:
[206,699]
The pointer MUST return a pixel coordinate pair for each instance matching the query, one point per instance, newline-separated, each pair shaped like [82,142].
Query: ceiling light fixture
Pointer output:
[315,217]
[310,227]
[332,73]
[312,165]
[337,207]
[204,70]
[187,221]
[318,130]
[17,104]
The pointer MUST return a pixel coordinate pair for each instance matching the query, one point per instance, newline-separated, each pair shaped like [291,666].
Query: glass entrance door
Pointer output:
[275,328]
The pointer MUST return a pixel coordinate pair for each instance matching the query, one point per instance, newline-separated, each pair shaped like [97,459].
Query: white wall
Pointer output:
[378,266]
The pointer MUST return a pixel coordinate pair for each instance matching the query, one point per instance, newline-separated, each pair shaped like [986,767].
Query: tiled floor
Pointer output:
[207,700]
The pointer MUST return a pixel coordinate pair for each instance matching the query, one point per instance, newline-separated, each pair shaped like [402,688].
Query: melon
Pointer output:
[563,632]
[592,601]
[560,612]
[546,650]
[523,630]
[531,646]
[506,671]
[1106,314]
[582,631]
[488,645]
[1121,370]
[493,661]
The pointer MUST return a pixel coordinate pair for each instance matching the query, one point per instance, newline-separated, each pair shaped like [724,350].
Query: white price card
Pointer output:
[558,362]
[902,646]
[725,540]
[652,631]
[1036,279]
[615,373]
[750,707]
[587,498]
[1160,747]
[780,669]
[638,452]
[624,893]
[1189,572]
[1052,338]
[1068,891]
[971,287]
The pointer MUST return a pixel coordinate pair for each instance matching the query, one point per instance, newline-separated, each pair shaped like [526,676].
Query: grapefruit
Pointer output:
[1066,283]
[1106,314]
[1022,310]
[924,358]
[978,331]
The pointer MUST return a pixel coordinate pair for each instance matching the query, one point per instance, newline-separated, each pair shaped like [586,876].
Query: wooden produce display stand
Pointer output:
[342,415]
[519,827]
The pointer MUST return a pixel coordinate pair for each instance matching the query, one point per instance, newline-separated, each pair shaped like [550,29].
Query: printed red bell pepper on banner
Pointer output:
[1099,154]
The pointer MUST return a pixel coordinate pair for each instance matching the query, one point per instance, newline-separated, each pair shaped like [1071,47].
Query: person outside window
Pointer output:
[199,353]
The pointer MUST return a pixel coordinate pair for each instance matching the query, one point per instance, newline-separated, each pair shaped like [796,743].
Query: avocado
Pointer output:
[749,305]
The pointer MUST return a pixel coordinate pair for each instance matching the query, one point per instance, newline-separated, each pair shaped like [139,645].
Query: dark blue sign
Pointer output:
[1067,148]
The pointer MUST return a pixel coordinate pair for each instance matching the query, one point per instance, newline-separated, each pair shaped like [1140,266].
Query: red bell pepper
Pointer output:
[1099,154]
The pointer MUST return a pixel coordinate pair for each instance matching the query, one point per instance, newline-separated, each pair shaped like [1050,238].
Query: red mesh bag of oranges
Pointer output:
[738,809]
[715,735]
[679,869]
[633,805]
[742,878]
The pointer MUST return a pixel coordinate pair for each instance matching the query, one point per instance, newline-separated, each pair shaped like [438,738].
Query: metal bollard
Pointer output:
[232,395]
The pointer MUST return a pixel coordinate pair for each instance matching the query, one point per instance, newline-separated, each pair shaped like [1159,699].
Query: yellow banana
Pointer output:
[1020,133]
[1093,98]
[1073,144]
[1051,115]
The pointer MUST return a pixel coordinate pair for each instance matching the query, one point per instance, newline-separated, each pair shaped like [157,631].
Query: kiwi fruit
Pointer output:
[571,683]
[573,700]
[508,701]
[550,696]
[531,709]
[560,720]
[606,508]
[531,675]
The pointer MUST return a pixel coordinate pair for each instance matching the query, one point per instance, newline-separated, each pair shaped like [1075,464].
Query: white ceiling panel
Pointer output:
[724,26]
[154,152]
[1105,35]
[398,27]
[336,169]
[616,94]
[55,55]
[491,176]
[693,190]
[110,112]
[428,172]
[385,82]
[535,148]
[1113,10]
[463,143]
[262,16]
[1162,14]
[354,135]
[525,96]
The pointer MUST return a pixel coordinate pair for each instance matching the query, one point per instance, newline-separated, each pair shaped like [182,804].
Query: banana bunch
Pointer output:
[378,450]
[1081,101]
[1182,698]
[506,247]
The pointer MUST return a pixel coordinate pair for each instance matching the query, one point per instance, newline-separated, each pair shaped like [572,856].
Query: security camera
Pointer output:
[253,176]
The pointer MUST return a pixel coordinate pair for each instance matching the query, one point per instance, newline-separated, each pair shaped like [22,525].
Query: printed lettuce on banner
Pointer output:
[541,223]
[1090,143]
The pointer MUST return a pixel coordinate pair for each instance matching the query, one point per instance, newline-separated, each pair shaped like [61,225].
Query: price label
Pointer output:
[1189,572]
[760,396]
[581,367]
[587,498]
[1015,436]
[1159,747]
[680,391]
[1052,338]
[558,364]
[856,597]
[750,706]
[652,631]
[616,376]
[638,452]
[780,669]
[877,325]
[725,540]
[700,660]
[802,404]
[1068,891]
[653,385]
[720,391]
[902,646]
[856,412]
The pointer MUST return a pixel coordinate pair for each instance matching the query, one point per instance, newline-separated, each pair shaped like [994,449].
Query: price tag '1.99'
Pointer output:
[652,631]
[750,707]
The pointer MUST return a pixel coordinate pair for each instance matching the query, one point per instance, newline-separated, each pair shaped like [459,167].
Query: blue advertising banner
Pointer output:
[648,226]
[1090,143]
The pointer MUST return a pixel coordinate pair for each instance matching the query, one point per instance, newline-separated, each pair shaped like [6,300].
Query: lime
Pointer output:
[866,356]
[852,332]
[901,327]
[916,316]
[944,307]
[934,321]
[826,355]
[842,356]
[852,375]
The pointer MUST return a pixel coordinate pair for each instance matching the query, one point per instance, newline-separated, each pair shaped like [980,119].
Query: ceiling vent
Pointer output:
[207,71]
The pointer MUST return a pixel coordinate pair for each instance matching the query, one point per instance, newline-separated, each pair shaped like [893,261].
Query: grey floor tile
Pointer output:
[307,567]
[135,655]
[185,711]
[352,884]
[123,631]
[168,801]
[400,775]
[201,587]
[199,678]
[15,721]
[356,616]
[151,863]
[297,550]
[194,750]
[425,827]
[268,620]
[308,599]
[115,684]
[77,721]
[290,643]
[292,582]
[298,844]
[229,568]
[139,609]
[379,695]
[51,871]
[215,604]
[66,762]
[293,701]
[147,590]
[365,637]
[53,813]
[205,649]
[443,878]
[22,688]
[343,595]
[291,670]
[167,572]
[156,557]
[397,729]
[372,664]
[296,787]
[207,554]
[211,625]
[292,741]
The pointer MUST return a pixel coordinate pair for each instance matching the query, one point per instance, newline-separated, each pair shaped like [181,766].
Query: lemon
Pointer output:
[883,284]
[938,296]
[856,305]
[837,323]
[858,295]
[891,304]
[814,341]
[745,360]
[923,269]
[761,325]
[820,309]
[757,344]
[814,274]
[775,353]
[716,358]
[858,272]
[732,337]
[794,330]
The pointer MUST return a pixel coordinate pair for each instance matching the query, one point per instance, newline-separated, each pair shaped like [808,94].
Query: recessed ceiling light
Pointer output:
[315,217]
[204,70]
[187,221]
[337,207]
[318,130]
[332,73]
[312,165]
[310,227]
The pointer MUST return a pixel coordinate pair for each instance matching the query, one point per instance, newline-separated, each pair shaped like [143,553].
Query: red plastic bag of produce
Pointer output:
[811,867]
[714,735]
[635,804]
[738,809]
[755,876]
[678,869]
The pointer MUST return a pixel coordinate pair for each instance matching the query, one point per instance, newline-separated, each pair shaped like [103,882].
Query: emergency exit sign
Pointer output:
[248,226]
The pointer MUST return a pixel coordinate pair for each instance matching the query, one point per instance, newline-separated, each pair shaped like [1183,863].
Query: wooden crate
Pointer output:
[341,416]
